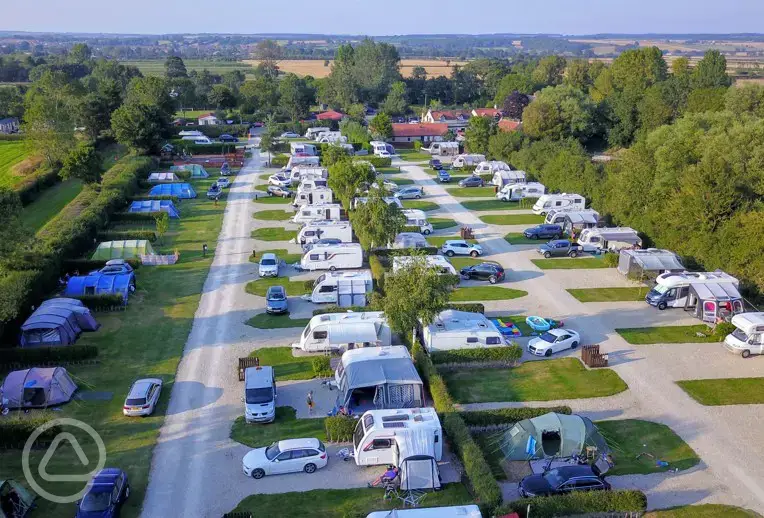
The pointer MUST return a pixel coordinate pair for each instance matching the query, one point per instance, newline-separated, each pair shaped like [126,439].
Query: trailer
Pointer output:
[457,511]
[467,160]
[608,238]
[578,220]
[294,161]
[315,230]
[332,257]
[442,148]
[307,172]
[505,177]
[453,329]
[345,289]
[302,149]
[563,201]
[313,196]
[434,261]
[417,218]
[332,137]
[518,191]
[380,148]
[343,331]
[318,212]
[491,167]
[379,434]
[313,133]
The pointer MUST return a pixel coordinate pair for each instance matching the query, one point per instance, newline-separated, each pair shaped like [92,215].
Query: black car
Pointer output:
[472,181]
[227,138]
[543,232]
[490,272]
[564,479]
[104,495]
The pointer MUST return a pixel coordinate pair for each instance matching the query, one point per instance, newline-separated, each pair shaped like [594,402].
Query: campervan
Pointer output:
[332,257]
[390,200]
[313,197]
[518,191]
[302,149]
[748,336]
[671,289]
[294,161]
[379,433]
[461,161]
[608,238]
[442,148]
[318,212]
[259,395]
[417,218]
[315,230]
[504,177]
[453,329]
[313,133]
[381,148]
[346,289]
[562,201]
[307,172]
[330,137]
[341,331]
[435,261]
[492,167]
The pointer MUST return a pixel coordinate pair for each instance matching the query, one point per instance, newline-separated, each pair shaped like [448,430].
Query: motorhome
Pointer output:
[259,394]
[491,167]
[190,133]
[318,212]
[343,331]
[417,218]
[332,257]
[576,221]
[456,511]
[330,137]
[608,238]
[345,289]
[442,149]
[315,230]
[294,161]
[313,133]
[307,172]
[504,177]
[379,434]
[461,161]
[748,336]
[379,148]
[453,329]
[518,191]
[672,288]
[313,197]
[443,265]
[563,201]
[302,149]
[390,200]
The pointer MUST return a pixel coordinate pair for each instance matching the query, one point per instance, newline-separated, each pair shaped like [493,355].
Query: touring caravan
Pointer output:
[671,289]
[491,167]
[318,212]
[562,201]
[442,149]
[302,149]
[342,331]
[518,191]
[313,133]
[453,329]
[608,238]
[417,218]
[331,137]
[315,230]
[377,442]
[332,257]
[390,200]
[748,337]
[294,161]
[579,220]
[461,161]
[307,172]
[313,197]
[381,148]
[504,177]
[435,261]
[345,289]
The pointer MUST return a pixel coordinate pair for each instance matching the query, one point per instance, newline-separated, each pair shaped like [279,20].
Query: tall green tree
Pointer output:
[711,71]
[295,96]
[347,178]
[549,71]
[376,223]
[478,133]
[396,102]
[141,127]
[559,112]
[503,144]
[82,162]
[221,97]
[746,99]
[381,126]
[175,67]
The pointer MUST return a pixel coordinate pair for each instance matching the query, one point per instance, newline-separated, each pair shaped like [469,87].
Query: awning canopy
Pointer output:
[381,371]
[720,291]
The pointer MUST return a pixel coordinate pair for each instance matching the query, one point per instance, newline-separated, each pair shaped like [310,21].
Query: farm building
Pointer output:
[184,191]
[57,322]
[130,249]
[101,284]
[424,132]
[155,206]
[38,388]
[163,177]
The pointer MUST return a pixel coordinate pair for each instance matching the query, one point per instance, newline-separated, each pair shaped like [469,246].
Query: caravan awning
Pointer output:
[381,371]
[357,332]
[716,291]
[656,261]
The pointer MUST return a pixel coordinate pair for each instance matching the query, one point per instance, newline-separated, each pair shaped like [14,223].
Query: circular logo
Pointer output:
[58,439]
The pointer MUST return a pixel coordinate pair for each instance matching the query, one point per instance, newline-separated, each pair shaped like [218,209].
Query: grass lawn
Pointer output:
[287,367]
[266,321]
[389,170]
[403,181]
[725,391]
[411,155]
[517,238]
[335,503]
[11,153]
[441,223]
[489,292]
[272,200]
[609,294]
[273,234]
[512,219]
[439,240]
[35,215]
[286,426]
[667,334]
[628,438]
[273,215]
[461,261]
[421,205]
[263,187]
[471,192]
[146,339]
[280,252]
[704,511]
[544,380]
[293,288]
[567,263]
[490,204]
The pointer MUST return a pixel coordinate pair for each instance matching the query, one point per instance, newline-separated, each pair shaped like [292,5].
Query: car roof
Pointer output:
[274,289]
[291,444]
[454,241]
[104,480]
[140,387]
[575,471]
[269,256]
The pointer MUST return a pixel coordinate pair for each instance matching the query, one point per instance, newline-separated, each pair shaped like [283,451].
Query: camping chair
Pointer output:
[391,489]
[412,497]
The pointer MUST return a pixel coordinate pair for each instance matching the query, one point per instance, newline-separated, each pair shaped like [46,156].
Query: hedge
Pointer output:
[377,272]
[337,309]
[16,429]
[339,428]
[397,252]
[32,186]
[14,136]
[137,217]
[106,302]
[148,197]
[87,265]
[579,502]
[509,354]
[321,366]
[471,307]
[378,161]
[503,416]
[216,148]
[47,355]
[279,160]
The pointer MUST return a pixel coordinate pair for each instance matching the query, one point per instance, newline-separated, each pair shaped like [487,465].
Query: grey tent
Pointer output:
[84,318]
[648,263]
[416,460]
[410,240]
[56,322]
[38,388]
[710,301]
[15,500]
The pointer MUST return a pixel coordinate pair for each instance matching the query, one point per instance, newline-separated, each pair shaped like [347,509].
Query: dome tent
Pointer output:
[56,322]
[38,388]
[183,191]
[155,206]
[130,249]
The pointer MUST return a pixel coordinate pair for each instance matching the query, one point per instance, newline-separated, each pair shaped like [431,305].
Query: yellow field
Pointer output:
[316,68]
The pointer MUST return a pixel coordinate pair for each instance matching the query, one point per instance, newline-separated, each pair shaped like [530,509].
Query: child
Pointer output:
[310,402]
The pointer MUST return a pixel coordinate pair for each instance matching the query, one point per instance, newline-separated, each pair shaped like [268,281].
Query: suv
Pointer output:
[490,272]
[104,494]
[472,181]
[460,247]
[560,248]
[276,300]
[543,232]
[269,266]
[562,480]
[275,190]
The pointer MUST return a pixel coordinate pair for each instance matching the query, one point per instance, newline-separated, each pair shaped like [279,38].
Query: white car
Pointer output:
[288,456]
[383,154]
[143,397]
[223,182]
[279,180]
[269,266]
[554,341]
[460,247]
[289,134]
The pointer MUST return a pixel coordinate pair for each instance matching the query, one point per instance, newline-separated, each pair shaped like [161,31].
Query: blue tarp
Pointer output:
[155,206]
[99,284]
[181,190]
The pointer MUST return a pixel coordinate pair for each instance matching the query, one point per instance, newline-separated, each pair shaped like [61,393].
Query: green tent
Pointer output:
[133,248]
[15,500]
[551,435]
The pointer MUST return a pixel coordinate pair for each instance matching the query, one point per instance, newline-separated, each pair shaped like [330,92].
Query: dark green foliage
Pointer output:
[510,354]
[107,302]
[472,307]
[378,161]
[279,160]
[38,356]
[337,309]
[395,252]
[339,428]
[580,502]
[236,130]
[503,416]
[216,148]
[16,429]
[321,366]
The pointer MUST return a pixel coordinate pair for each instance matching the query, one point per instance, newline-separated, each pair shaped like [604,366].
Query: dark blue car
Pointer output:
[104,495]
[543,232]
[436,164]
[443,176]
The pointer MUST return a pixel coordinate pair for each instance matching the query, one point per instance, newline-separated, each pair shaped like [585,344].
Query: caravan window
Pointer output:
[314,257]
[379,444]
[594,239]
[320,335]
[327,289]
[310,233]
[472,339]
[493,340]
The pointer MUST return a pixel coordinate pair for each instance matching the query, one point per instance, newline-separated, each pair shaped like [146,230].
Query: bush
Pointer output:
[377,272]
[102,302]
[339,428]
[31,187]
[279,161]
[378,161]
[321,366]
[137,217]
[722,329]
[579,502]
[16,429]
[417,145]
[508,415]
[87,265]
[611,259]
[509,354]
[396,252]
[471,307]
[48,355]
[122,235]
[338,309]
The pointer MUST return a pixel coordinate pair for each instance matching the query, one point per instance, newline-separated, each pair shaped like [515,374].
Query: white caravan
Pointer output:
[303,172]
[313,133]
[190,133]
[562,201]
[332,257]
[341,331]
[576,221]
[453,329]
[380,148]
[331,137]
[442,149]
[313,197]
[492,167]
[455,511]
[309,184]
[609,238]
[417,218]
[315,230]
[294,161]
[504,177]
[318,212]
[378,442]
[672,288]
[748,338]
[435,261]
[461,161]
[302,149]
[390,200]
[346,289]
[518,191]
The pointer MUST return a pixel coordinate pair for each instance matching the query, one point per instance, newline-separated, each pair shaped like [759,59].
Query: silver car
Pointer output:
[409,193]
[143,397]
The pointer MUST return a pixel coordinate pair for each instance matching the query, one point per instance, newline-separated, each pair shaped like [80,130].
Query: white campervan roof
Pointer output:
[409,418]
[670,279]
[432,260]
[750,323]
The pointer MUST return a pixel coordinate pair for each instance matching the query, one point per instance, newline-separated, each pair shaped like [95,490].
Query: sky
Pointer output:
[386,17]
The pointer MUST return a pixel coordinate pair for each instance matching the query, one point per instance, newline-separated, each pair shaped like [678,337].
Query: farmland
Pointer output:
[322,68]
[11,153]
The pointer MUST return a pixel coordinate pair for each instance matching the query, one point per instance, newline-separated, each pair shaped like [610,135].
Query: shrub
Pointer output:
[321,366]
[579,502]
[32,186]
[339,428]
[471,307]
[48,355]
[378,161]
[417,145]
[396,252]
[279,161]
[722,329]
[509,354]
[338,309]
[16,429]
[611,259]
[137,217]
[508,415]
[377,272]
[121,235]
[102,302]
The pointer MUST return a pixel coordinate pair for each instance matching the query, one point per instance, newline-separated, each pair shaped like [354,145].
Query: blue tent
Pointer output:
[100,284]
[181,190]
[50,326]
[155,206]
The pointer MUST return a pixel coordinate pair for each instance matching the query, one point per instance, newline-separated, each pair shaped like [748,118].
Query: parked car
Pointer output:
[490,272]
[115,267]
[279,180]
[383,154]
[543,232]
[288,456]
[454,247]
[472,181]
[142,398]
[223,182]
[214,192]
[554,341]
[565,479]
[275,190]
[436,164]
[289,134]
[276,300]
[560,248]
[104,494]
[269,266]
[409,193]
[227,138]
[443,176]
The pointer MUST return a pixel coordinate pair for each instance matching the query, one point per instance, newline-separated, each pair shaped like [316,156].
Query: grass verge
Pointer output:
[667,334]
[725,391]
[281,253]
[517,238]
[35,215]
[704,511]
[566,263]
[426,206]
[512,219]
[441,223]
[293,288]
[480,293]
[266,321]
[491,205]
[519,321]
[471,192]
[272,215]
[286,366]
[272,200]
[609,294]
[439,240]
[411,155]
[273,234]
[286,426]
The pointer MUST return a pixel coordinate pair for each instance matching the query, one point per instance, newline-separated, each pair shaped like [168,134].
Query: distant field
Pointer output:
[316,68]
[11,153]
[155,67]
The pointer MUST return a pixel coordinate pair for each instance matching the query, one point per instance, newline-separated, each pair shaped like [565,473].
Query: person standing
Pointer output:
[310,402]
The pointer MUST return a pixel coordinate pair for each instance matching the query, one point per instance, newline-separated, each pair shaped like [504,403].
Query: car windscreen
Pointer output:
[135,401]
[96,502]
[548,337]
[276,295]
[272,451]
[258,396]
[268,262]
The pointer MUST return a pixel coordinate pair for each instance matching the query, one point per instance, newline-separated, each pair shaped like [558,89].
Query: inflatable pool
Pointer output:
[538,324]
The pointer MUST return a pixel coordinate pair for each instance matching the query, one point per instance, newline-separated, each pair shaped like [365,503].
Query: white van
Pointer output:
[461,161]
[313,133]
[562,201]
[748,338]
[259,395]
[318,212]
[491,167]
[341,331]
[518,191]
[332,257]
[316,230]
[381,148]
[375,442]
[435,261]
[302,149]
[609,238]
[346,289]
[453,329]
[313,197]
[417,218]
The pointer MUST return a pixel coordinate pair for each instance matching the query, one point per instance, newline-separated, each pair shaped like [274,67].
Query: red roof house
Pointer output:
[330,115]
[421,131]
[486,112]
[510,125]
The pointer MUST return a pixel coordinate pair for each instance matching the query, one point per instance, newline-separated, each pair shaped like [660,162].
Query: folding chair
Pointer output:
[412,497]
[391,489]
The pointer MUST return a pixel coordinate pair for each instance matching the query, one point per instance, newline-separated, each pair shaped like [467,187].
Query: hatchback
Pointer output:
[443,176]
[269,266]
[436,164]
[460,247]
[543,232]
[104,494]
[227,138]
[490,272]
[472,181]
[288,456]
[143,397]
[279,180]
[276,300]
[409,193]
[562,480]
